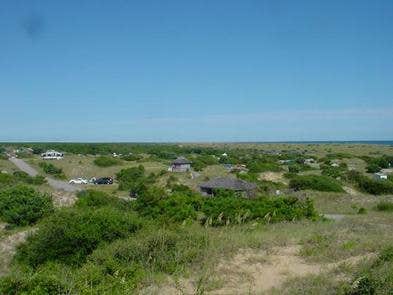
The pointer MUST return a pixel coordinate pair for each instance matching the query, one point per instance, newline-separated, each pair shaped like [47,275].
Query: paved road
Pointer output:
[56,184]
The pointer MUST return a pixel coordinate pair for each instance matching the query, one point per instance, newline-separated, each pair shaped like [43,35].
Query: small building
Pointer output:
[52,155]
[380,176]
[237,185]
[181,164]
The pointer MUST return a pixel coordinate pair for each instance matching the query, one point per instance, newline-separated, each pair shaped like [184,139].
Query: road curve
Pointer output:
[56,184]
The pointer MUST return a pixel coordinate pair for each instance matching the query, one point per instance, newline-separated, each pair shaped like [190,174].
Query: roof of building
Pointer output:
[181,160]
[228,183]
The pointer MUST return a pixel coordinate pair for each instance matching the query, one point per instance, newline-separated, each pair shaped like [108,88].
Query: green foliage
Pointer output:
[225,207]
[376,164]
[118,267]
[226,210]
[202,161]
[97,199]
[42,282]
[155,250]
[22,205]
[69,235]
[51,169]
[132,157]
[384,206]
[20,177]
[334,172]
[26,178]
[369,185]
[134,179]
[315,182]
[260,166]
[104,161]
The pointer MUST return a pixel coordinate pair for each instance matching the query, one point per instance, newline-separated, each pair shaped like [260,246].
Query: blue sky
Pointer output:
[198,70]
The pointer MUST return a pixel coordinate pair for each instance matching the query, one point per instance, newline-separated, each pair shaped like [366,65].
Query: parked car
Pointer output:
[78,181]
[104,180]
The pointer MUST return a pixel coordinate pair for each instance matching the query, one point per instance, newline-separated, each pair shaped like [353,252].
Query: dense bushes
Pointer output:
[69,235]
[97,199]
[132,157]
[369,185]
[334,171]
[202,161]
[51,169]
[21,205]
[378,163]
[224,208]
[117,267]
[134,179]
[315,182]
[103,161]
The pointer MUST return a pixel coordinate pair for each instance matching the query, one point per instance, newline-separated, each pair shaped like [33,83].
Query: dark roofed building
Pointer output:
[181,164]
[233,184]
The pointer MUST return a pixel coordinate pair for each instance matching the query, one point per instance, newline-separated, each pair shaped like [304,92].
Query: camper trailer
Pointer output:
[52,155]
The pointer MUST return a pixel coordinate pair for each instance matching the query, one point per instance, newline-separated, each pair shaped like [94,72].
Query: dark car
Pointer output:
[104,180]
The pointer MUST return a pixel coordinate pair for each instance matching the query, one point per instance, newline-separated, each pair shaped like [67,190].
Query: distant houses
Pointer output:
[181,164]
[245,188]
[52,155]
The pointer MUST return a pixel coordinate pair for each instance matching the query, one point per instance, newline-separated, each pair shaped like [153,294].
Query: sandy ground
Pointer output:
[273,176]
[257,272]
[8,247]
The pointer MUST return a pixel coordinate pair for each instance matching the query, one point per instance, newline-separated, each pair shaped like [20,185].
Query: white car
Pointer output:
[78,181]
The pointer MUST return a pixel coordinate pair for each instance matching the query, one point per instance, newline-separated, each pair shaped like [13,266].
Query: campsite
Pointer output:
[224,219]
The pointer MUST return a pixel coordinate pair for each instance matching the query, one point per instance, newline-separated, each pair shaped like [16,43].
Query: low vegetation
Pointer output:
[51,169]
[369,185]
[104,161]
[315,182]
[22,205]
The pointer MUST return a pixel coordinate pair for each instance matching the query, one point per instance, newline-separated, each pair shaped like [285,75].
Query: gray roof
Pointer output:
[181,160]
[228,183]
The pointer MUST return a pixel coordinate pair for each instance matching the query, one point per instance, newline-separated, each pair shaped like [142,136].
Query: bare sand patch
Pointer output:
[256,272]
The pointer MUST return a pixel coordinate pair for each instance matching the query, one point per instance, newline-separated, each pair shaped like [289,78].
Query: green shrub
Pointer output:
[225,207]
[33,283]
[134,179]
[51,169]
[315,182]
[369,185]
[156,250]
[384,206]
[132,157]
[7,179]
[104,161]
[26,178]
[97,199]
[70,235]
[21,205]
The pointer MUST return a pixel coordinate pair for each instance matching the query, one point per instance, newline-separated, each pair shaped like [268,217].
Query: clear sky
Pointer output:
[198,70]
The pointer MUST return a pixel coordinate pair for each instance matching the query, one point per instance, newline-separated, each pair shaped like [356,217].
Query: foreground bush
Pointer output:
[70,235]
[106,161]
[118,267]
[315,182]
[22,205]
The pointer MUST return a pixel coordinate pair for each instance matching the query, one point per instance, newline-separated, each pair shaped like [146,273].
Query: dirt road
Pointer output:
[56,184]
